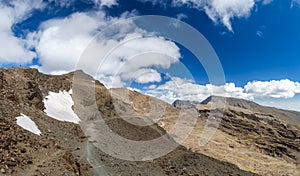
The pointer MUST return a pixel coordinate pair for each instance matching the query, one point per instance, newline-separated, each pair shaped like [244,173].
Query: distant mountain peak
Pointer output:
[237,102]
[220,100]
[184,103]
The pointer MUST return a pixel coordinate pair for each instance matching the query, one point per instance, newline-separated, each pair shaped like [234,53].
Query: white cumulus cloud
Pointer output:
[143,76]
[107,3]
[185,89]
[220,11]
[131,53]
[273,89]
[14,49]
[99,3]
[178,88]
[60,42]
[226,10]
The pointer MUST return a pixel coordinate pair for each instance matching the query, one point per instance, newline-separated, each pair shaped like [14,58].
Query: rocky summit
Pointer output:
[48,127]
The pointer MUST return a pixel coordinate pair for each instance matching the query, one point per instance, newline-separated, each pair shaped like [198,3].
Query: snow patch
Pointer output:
[59,106]
[29,125]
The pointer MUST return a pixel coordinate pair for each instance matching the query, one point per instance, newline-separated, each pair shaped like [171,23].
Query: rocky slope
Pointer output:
[259,139]
[65,148]
[267,138]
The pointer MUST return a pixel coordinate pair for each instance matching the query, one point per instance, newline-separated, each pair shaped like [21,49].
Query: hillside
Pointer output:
[69,114]
[259,139]
[289,117]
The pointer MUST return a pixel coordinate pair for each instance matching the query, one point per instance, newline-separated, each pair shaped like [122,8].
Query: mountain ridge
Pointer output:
[294,116]
[225,99]
[64,147]
[266,135]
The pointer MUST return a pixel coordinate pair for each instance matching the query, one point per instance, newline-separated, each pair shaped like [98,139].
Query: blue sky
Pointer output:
[257,43]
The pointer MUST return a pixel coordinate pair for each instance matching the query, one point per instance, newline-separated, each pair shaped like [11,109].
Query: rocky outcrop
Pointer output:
[184,104]
[267,134]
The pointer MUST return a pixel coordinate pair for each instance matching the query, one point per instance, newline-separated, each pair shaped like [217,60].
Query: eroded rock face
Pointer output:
[184,104]
[271,136]
[261,127]
[254,136]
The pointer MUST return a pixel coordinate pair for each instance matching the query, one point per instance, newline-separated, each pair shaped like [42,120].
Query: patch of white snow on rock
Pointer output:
[59,106]
[29,125]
